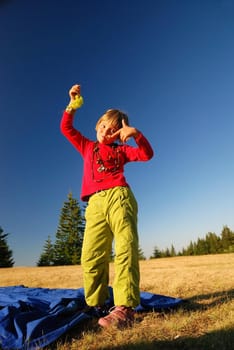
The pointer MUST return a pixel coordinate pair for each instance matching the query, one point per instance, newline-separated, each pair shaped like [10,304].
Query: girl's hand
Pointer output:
[74,91]
[76,100]
[125,132]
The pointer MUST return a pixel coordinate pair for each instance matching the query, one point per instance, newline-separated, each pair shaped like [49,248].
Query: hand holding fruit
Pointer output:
[76,100]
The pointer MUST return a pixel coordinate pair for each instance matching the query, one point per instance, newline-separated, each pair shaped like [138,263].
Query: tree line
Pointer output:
[211,244]
[66,250]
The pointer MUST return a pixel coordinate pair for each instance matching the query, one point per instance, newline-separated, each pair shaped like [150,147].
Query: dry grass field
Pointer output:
[204,321]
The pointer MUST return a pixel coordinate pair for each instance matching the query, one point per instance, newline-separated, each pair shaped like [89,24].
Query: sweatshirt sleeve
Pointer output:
[143,152]
[72,134]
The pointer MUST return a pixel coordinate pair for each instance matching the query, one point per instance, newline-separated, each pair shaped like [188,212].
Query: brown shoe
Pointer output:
[120,316]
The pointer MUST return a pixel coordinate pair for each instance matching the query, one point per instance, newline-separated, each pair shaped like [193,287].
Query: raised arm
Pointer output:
[66,125]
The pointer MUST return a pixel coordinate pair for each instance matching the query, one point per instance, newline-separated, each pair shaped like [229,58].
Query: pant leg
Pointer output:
[96,252]
[122,219]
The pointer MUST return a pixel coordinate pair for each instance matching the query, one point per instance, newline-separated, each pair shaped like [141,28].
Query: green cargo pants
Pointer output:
[111,214]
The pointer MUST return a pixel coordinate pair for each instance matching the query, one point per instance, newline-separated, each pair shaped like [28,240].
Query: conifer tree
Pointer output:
[190,249]
[213,243]
[172,251]
[141,255]
[156,253]
[112,255]
[47,256]
[69,235]
[202,247]
[166,253]
[227,237]
[6,254]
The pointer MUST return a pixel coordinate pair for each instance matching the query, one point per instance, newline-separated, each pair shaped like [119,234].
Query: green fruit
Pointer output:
[78,102]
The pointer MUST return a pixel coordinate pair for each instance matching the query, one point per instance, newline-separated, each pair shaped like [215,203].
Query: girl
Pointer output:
[112,209]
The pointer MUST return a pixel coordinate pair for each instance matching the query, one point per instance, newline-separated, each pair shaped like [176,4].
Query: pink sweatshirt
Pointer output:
[96,156]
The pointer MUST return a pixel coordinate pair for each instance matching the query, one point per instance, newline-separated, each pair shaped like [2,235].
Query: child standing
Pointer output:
[112,209]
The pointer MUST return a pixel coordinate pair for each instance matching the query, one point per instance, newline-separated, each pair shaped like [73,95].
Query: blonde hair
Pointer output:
[114,117]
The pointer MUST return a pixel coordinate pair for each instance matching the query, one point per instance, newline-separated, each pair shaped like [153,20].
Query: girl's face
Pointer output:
[105,132]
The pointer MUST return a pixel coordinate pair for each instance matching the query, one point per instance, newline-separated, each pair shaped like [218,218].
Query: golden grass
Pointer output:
[204,322]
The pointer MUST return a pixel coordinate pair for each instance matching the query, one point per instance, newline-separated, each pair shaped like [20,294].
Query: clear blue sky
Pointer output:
[168,63]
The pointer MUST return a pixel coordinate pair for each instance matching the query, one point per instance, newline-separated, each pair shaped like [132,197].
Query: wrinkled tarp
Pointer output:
[31,318]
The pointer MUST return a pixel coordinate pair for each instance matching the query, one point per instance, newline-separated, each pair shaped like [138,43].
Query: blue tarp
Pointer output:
[31,318]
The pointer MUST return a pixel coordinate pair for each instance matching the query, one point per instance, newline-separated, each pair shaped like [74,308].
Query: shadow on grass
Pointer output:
[216,340]
[207,301]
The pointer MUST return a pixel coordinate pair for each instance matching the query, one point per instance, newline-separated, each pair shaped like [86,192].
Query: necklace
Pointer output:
[111,164]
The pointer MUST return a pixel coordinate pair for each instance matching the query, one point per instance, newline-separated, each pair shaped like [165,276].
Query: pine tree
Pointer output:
[112,255]
[172,251]
[47,256]
[156,253]
[190,249]
[6,254]
[166,253]
[213,243]
[141,255]
[227,240]
[202,247]
[69,235]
